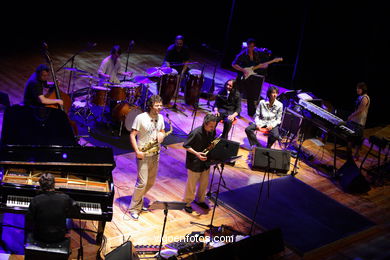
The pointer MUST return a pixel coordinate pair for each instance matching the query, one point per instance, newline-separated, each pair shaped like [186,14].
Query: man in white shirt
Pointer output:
[111,66]
[267,118]
[148,127]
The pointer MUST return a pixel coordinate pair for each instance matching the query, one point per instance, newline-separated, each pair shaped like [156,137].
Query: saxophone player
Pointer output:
[198,171]
[148,127]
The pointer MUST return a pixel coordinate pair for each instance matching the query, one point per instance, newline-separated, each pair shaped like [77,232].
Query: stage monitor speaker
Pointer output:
[260,246]
[125,251]
[350,178]
[223,150]
[274,160]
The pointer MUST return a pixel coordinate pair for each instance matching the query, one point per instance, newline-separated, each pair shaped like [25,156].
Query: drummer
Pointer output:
[111,66]
[177,56]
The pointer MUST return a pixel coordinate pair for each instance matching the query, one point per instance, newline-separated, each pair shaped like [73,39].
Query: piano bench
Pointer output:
[34,250]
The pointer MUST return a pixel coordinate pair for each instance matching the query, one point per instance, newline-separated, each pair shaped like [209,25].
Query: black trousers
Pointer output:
[227,124]
[272,137]
[252,88]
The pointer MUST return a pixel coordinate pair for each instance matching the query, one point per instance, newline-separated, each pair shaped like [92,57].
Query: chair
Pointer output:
[36,250]
[233,125]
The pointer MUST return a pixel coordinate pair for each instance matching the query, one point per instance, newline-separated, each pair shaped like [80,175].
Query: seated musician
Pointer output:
[198,171]
[227,106]
[357,120]
[268,118]
[33,90]
[177,55]
[111,66]
[47,213]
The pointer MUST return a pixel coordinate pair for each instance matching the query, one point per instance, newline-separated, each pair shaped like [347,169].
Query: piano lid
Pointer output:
[25,125]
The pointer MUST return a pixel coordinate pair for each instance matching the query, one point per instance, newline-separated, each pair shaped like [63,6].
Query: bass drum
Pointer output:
[193,86]
[124,112]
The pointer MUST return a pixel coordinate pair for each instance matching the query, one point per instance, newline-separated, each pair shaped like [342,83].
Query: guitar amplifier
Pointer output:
[271,159]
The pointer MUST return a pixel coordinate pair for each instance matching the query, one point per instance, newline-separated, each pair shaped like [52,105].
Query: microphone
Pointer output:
[131,45]
[167,115]
[91,45]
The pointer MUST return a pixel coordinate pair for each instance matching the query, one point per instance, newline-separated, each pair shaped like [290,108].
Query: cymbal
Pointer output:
[76,70]
[89,77]
[142,80]
[158,71]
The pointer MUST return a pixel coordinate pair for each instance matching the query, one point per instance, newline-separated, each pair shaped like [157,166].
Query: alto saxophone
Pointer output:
[211,146]
[154,146]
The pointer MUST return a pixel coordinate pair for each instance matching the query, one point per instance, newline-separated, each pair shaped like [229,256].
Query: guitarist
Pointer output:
[33,90]
[251,60]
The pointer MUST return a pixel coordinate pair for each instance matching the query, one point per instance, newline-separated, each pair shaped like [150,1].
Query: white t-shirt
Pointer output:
[108,67]
[147,128]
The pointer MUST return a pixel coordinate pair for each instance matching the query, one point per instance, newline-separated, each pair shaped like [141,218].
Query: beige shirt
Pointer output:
[110,68]
[361,118]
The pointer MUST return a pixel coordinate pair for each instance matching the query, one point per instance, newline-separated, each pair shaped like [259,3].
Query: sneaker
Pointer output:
[134,215]
[188,209]
[202,205]
[145,209]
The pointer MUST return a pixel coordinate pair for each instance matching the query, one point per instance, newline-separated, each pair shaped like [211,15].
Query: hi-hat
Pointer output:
[142,80]
[76,70]
[158,71]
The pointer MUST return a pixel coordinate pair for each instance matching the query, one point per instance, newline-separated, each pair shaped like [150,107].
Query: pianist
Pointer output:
[267,118]
[46,216]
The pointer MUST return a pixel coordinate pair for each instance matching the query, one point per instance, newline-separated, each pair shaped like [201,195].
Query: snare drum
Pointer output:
[167,86]
[127,113]
[99,95]
[193,86]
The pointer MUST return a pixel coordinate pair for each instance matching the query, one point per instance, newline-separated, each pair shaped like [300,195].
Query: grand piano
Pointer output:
[40,140]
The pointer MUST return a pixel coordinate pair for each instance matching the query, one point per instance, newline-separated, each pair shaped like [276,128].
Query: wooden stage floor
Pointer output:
[170,183]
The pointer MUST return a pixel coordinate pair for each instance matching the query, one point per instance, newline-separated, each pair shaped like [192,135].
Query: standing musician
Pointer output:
[357,120]
[249,62]
[47,213]
[111,66]
[177,55]
[268,117]
[148,127]
[198,171]
[33,90]
[227,106]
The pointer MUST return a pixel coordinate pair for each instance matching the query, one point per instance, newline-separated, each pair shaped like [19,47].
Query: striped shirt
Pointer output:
[269,116]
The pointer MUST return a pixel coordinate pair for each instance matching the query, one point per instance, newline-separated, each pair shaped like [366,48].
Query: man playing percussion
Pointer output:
[111,66]
[227,106]
[148,127]
[198,171]
[33,91]
[177,55]
[268,118]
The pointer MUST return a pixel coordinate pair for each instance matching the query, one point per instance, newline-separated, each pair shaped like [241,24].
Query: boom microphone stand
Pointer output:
[131,45]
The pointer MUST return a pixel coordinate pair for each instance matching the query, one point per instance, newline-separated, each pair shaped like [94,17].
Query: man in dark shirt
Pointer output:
[227,106]
[33,91]
[47,212]
[251,59]
[177,55]
[198,171]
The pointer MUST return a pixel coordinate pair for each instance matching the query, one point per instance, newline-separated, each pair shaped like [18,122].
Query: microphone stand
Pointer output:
[196,105]
[266,173]
[72,64]
[130,47]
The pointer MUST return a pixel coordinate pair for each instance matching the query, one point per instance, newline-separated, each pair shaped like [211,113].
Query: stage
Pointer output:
[172,174]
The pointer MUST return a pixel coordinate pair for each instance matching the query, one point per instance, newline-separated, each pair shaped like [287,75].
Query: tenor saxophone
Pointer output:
[211,146]
[154,146]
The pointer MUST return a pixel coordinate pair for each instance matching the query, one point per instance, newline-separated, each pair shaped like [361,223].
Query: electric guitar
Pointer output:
[252,72]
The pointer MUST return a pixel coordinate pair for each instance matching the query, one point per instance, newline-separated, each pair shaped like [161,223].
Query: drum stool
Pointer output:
[35,250]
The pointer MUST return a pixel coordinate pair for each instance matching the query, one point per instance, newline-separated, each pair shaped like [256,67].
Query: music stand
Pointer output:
[222,163]
[166,205]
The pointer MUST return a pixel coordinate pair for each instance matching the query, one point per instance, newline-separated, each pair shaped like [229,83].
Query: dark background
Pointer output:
[331,47]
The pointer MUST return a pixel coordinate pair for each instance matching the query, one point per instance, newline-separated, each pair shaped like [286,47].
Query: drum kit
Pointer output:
[127,99]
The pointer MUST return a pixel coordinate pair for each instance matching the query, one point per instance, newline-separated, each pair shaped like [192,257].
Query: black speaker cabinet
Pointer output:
[350,178]
[274,160]
[125,251]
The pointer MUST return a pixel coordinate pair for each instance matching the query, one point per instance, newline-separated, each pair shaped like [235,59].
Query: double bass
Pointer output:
[56,93]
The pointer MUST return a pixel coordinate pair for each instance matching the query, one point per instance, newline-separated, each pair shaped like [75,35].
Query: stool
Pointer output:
[35,250]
